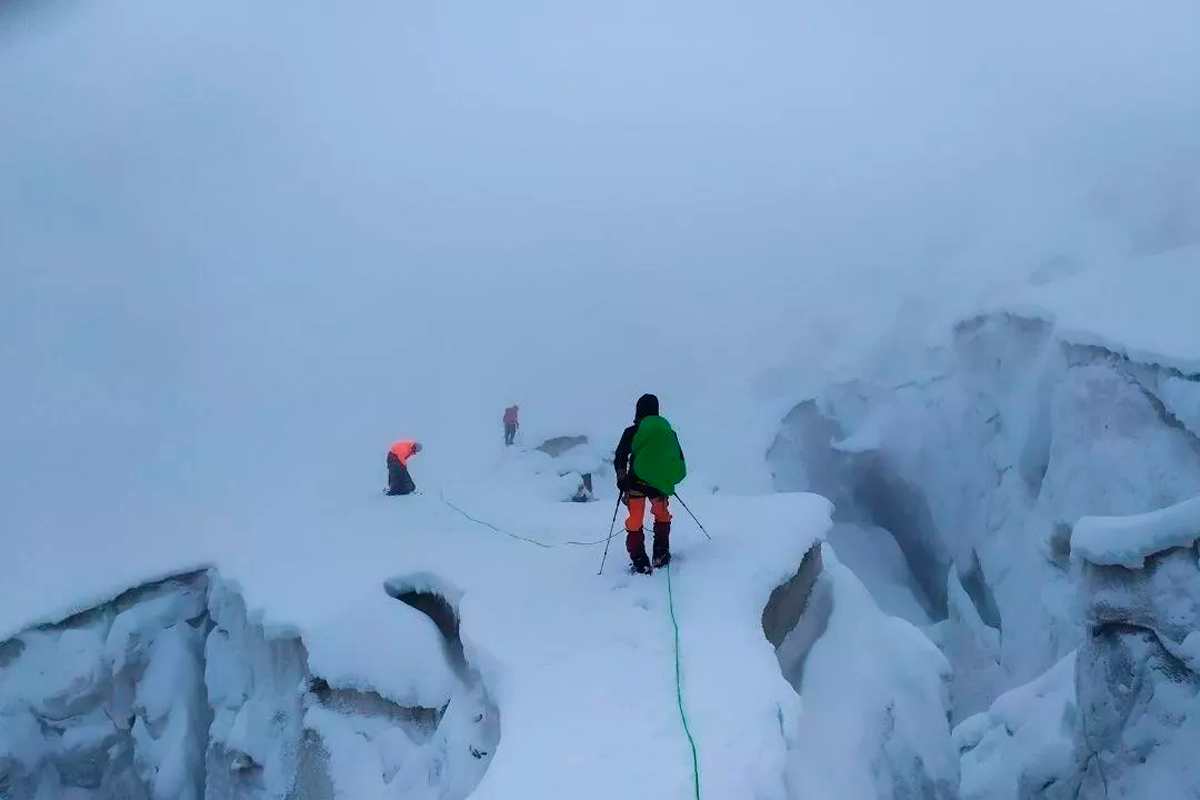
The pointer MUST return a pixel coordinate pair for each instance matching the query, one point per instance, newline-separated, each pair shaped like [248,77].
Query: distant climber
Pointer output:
[511,423]
[649,464]
[399,481]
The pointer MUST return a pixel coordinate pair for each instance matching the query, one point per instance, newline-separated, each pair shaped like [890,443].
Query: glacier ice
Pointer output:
[981,460]
[875,701]
[171,692]
[1137,679]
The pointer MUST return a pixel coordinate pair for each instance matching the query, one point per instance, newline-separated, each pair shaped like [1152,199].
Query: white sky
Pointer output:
[245,244]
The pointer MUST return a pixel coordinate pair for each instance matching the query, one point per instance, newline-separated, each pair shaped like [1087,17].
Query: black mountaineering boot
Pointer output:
[662,544]
[635,543]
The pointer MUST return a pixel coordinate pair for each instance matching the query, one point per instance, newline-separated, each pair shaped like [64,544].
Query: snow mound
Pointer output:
[1129,541]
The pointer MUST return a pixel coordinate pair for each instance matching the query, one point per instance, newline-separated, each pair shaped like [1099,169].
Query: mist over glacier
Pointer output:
[933,262]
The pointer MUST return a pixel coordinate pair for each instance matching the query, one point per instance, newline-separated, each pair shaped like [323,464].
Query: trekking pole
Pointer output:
[693,516]
[608,541]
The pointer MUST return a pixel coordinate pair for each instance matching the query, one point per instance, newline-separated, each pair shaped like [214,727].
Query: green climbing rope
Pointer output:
[674,625]
[487,524]
[490,526]
[679,690]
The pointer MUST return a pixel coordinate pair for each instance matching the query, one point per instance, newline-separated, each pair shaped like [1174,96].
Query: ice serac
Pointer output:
[979,460]
[256,685]
[1138,672]
[973,647]
[110,702]
[874,705]
[171,692]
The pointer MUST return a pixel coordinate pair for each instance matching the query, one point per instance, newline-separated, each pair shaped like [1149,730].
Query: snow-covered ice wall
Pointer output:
[873,691]
[170,691]
[978,462]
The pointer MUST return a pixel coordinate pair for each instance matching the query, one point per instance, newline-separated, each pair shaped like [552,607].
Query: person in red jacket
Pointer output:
[399,481]
[511,424]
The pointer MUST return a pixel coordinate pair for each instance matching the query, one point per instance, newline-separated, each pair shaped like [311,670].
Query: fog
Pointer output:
[243,245]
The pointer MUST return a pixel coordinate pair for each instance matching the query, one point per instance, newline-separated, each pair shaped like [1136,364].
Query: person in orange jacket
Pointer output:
[399,481]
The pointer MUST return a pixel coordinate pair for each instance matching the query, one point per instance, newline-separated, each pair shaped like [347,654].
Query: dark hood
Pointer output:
[647,406]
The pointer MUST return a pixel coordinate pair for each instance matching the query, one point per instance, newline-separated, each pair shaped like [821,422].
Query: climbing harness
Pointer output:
[679,690]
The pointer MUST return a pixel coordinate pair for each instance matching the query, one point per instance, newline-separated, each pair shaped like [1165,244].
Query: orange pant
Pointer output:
[637,511]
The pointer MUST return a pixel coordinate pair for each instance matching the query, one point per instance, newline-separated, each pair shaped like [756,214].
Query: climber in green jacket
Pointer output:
[649,464]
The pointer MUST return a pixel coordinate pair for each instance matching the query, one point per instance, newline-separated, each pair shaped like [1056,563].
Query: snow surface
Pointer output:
[581,666]
[1129,541]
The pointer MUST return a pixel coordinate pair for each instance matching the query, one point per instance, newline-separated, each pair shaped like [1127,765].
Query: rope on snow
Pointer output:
[545,545]
[670,606]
